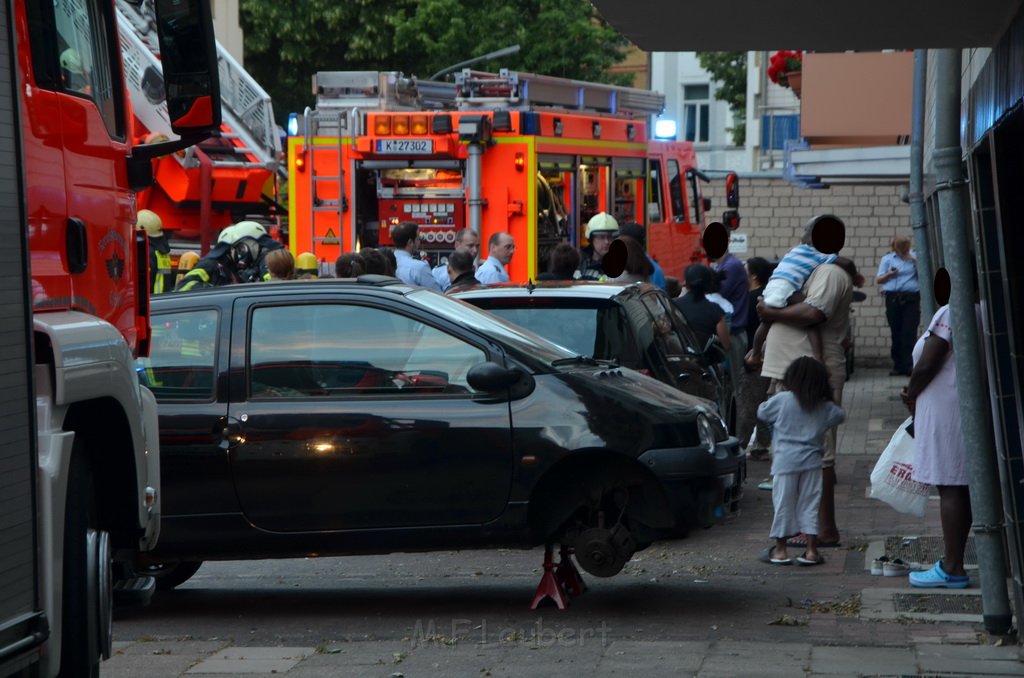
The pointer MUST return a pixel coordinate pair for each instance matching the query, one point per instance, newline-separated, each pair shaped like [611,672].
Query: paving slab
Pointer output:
[252,660]
[863,661]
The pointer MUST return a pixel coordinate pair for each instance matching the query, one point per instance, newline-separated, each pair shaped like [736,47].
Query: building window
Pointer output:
[696,108]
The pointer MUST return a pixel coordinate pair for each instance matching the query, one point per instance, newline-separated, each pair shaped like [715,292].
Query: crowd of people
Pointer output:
[783,328]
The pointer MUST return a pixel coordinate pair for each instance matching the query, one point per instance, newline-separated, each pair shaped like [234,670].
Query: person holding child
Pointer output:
[799,415]
[820,244]
[825,309]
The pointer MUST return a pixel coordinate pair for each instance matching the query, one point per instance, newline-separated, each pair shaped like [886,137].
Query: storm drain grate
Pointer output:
[924,549]
[936,604]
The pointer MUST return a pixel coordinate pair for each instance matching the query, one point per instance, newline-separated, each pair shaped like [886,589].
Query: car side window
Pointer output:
[665,335]
[342,350]
[689,339]
[182,356]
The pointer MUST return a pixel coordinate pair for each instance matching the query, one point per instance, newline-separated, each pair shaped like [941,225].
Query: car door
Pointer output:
[352,415]
[182,370]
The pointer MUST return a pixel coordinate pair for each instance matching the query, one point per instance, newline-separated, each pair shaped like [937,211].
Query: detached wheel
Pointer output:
[87,599]
[169,575]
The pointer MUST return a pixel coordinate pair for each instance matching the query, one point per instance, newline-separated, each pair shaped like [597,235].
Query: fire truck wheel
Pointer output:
[87,592]
[169,575]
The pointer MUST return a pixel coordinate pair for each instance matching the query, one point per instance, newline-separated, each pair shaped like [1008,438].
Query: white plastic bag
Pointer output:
[892,479]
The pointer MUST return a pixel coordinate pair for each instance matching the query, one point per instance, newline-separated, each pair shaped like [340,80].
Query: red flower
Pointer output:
[782,62]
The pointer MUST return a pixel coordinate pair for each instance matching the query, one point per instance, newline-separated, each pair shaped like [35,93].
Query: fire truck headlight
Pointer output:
[293,124]
[665,129]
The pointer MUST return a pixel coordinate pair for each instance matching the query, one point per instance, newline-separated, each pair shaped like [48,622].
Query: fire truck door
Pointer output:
[100,207]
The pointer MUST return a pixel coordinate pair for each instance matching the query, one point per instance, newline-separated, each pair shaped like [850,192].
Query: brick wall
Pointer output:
[773,216]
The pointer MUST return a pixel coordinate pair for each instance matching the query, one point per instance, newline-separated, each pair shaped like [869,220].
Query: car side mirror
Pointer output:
[491,377]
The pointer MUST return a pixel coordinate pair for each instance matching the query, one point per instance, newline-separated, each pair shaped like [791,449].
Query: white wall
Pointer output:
[670,73]
[226,27]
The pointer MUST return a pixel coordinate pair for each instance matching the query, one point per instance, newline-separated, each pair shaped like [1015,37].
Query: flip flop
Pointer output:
[766,557]
[804,560]
[800,541]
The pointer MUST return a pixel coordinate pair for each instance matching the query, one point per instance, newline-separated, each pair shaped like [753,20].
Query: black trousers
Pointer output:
[903,311]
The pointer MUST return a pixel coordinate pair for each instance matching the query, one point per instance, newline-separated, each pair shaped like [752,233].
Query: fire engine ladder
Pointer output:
[343,124]
[341,95]
[511,89]
[251,136]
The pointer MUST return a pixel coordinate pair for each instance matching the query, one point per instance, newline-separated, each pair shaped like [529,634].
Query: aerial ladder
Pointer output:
[222,180]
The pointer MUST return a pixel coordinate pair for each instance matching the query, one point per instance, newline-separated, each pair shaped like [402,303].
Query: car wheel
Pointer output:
[170,575]
[87,598]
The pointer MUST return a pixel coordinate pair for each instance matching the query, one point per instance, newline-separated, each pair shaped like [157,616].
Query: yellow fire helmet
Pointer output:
[187,261]
[151,223]
[307,263]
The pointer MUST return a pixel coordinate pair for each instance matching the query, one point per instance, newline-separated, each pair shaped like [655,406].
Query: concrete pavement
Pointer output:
[829,620]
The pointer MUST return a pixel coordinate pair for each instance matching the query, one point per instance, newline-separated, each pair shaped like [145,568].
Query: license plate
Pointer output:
[405,146]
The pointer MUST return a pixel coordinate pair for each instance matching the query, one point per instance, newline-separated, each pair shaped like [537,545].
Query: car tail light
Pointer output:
[418,124]
[644,371]
[400,124]
[382,125]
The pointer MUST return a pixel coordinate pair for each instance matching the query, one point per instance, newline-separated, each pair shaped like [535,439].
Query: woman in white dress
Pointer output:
[939,457]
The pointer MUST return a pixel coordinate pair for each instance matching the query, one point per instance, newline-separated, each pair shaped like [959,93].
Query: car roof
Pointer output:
[565,289]
[364,283]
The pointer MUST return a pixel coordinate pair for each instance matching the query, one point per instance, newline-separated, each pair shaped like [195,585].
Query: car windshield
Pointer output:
[523,342]
[590,327]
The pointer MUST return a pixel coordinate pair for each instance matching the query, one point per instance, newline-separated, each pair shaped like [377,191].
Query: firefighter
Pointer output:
[249,250]
[601,230]
[307,266]
[73,73]
[161,277]
[237,257]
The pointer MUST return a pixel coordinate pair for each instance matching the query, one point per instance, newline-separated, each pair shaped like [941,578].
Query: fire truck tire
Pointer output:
[87,603]
[170,575]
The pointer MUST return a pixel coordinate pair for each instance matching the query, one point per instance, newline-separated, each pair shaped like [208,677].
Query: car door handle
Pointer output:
[229,433]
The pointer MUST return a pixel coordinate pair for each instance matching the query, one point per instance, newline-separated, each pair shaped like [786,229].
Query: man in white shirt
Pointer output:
[500,248]
[465,241]
[411,270]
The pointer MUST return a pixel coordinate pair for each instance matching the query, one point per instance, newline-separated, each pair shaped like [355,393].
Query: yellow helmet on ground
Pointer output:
[151,223]
[307,263]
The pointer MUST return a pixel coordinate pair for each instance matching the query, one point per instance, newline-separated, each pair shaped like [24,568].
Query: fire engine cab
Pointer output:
[535,156]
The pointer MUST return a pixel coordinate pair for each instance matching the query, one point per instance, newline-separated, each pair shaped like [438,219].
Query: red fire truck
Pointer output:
[532,155]
[79,456]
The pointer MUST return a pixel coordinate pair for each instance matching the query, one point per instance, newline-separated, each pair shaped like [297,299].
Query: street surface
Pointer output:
[702,605]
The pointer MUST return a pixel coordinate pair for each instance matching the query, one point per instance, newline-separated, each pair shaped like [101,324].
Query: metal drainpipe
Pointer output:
[975,413]
[918,219]
[473,164]
[205,201]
